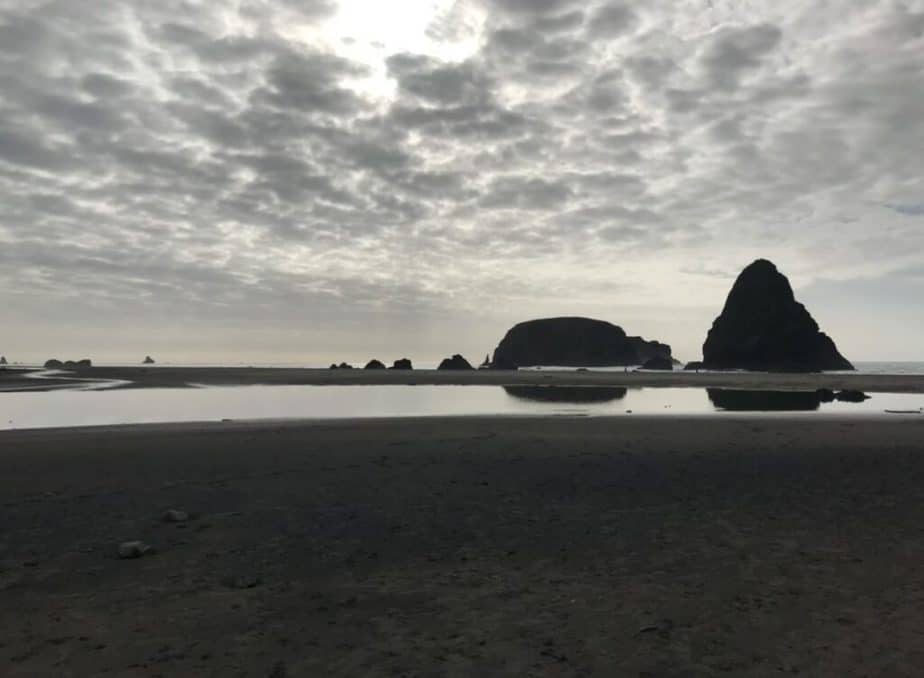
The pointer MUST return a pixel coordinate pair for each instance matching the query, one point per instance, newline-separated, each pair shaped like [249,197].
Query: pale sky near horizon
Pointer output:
[311,181]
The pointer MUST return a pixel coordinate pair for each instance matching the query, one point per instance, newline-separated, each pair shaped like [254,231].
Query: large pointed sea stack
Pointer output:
[763,327]
[574,342]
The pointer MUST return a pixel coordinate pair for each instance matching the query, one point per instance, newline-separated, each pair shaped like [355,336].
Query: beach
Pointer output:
[531,546]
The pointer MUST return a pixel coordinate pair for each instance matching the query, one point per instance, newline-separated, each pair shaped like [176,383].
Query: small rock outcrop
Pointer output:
[574,342]
[374,365]
[148,361]
[53,364]
[456,362]
[694,366]
[3,360]
[659,363]
[763,327]
[402,364]
[341,366]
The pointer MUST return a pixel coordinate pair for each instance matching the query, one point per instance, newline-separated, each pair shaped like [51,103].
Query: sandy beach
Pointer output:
[747,546]
[177,377]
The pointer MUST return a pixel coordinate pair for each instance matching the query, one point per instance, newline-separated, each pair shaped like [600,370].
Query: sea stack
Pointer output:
[456,362]
[574,342]
[148,361]
[763,327]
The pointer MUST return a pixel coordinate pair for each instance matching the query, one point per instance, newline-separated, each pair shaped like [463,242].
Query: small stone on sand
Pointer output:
[174,516]
[134,549]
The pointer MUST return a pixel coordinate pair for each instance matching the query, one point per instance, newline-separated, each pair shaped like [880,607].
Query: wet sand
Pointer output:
[746,546]
[178,377]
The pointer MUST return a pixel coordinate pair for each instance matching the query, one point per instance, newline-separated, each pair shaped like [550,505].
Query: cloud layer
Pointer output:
[240,163]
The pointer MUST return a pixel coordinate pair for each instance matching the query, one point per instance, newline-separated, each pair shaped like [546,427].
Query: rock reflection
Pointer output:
[734,400]
[567,394]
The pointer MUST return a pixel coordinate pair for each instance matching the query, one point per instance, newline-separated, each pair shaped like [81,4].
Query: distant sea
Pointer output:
[890,367]
[863,367]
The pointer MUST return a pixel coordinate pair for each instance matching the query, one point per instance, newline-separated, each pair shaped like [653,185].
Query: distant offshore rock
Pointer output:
[456,362]
[659,363]
[55,364]
[574,342]
[3,360]
[148,361]
[402,364]
[763,327]
[374,365]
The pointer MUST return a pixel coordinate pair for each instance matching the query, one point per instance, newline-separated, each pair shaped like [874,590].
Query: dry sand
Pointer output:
[175,377]
[746,546]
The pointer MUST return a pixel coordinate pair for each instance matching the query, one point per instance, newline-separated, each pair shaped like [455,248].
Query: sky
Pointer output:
[310,181]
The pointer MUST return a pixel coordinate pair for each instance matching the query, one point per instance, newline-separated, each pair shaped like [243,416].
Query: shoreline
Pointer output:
[256,425]
[12,381]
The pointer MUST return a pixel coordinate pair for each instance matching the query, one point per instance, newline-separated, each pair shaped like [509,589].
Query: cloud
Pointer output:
[204,157]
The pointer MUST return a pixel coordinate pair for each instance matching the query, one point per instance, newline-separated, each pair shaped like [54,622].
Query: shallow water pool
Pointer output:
[91,408]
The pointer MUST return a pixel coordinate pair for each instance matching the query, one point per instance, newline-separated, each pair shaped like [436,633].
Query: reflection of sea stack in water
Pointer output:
[567,394]
[763,327]
[734,400]
[456,362]
[574,342]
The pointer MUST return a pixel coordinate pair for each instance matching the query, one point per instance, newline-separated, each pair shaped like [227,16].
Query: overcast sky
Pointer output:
[310,180]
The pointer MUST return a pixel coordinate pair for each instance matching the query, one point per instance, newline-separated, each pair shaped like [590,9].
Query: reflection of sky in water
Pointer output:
[77,408]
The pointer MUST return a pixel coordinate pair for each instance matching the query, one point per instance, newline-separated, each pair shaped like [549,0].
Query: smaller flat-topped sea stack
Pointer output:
[574,342]
[374,365]
[763,327]
[659,363]
[456,362]
[402,364]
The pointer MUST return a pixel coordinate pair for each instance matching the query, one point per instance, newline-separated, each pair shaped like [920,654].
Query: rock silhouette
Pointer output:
[2,360]
[53,364]
[574,342]
[402,364]
[148,361]
[763,327]
[456,362]
[374,365]
[502,363]
[659,363]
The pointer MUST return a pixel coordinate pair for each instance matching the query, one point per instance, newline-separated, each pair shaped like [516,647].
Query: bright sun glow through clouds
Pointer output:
[369,32]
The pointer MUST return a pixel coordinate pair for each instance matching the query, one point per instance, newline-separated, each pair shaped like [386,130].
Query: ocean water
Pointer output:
[91,407]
